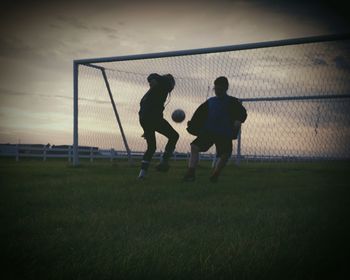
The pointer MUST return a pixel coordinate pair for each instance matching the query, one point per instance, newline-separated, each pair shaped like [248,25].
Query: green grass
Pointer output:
[260,221]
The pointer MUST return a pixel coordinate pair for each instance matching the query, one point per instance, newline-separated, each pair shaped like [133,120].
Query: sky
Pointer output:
[39,41]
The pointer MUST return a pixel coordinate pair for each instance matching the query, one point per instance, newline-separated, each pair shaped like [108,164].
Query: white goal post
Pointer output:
[296,92]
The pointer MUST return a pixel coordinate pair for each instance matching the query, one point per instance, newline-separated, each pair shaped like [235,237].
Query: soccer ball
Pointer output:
[178,115]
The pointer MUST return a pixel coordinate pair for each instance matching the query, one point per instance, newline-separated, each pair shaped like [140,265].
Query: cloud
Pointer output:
[10,92]
[342,63]
[319,61]
[74,22]
[83,100]
[12,45]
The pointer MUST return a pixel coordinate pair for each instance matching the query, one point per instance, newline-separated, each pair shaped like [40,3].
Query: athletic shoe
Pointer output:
[142,175]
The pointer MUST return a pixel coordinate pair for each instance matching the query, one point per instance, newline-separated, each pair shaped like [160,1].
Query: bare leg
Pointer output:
[192,164]
[194,157]
[151,148]
[220,164]
[168,131]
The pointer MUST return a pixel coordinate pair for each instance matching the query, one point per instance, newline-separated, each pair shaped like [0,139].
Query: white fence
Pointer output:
[91,153]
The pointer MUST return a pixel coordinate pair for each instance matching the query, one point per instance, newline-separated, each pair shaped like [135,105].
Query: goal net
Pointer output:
[296,92]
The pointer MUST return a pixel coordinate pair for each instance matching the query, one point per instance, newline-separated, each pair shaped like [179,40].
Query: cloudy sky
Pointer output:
[39,40]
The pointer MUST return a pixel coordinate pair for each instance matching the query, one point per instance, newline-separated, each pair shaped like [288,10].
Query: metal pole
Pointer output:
[295,98]
[17,152]
[116,113]
[239,141]
[112,154]
[75,114]
[69,154]
[214,160]
[44,154]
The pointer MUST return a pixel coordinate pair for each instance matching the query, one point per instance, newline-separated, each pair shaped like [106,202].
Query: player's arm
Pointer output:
[239,113]
[199,117]
[238,116]
[237,123]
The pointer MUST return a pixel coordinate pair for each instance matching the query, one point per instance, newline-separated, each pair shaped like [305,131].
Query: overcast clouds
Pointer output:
[39,40]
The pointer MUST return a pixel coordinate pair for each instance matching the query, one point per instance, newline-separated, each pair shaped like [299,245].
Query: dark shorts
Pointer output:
[223,144]
[160,125]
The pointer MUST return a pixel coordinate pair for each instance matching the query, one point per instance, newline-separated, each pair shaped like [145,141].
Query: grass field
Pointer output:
[260,221]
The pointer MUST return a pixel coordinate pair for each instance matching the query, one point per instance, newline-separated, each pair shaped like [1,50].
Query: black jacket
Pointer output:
[152,103]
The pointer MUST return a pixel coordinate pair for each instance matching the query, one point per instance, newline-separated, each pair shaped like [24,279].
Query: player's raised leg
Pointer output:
[168,131]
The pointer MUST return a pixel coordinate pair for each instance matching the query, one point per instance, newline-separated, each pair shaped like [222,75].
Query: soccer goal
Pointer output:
[296,92]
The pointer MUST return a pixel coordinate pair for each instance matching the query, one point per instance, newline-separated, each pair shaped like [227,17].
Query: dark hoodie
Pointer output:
[152,103]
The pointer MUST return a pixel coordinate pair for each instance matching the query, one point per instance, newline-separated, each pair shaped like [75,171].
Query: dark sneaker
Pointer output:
[163,167]
[142,175]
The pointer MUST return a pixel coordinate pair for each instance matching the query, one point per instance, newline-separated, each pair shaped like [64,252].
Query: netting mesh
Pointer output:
[297,129]
[284,128]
